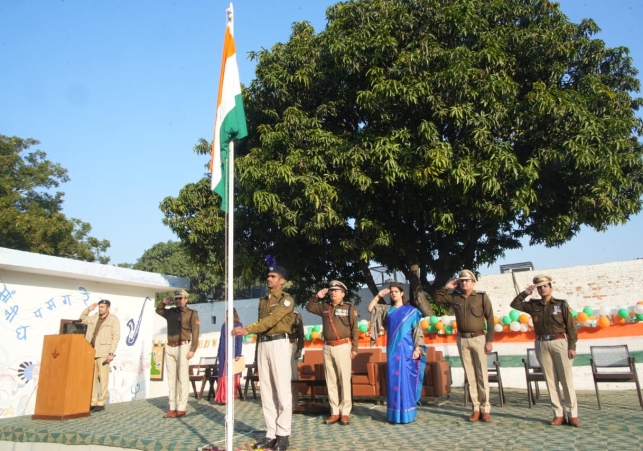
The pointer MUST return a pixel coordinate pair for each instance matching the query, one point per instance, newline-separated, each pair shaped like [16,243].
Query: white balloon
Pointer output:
[638,308]
[524,328]
[605,310]
[586,323]
[514,326]
[445,320]
[531,322]
[498,328]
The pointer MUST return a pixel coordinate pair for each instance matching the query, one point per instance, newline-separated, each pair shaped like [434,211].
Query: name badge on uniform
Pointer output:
[341,312]
[556,309]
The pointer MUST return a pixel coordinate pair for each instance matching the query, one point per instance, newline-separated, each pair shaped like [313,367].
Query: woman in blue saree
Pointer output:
[222,384]
[405,356]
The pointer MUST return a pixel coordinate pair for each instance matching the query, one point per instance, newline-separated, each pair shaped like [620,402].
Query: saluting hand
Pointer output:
[322,293]
[92,307]
[384,292]
[451,284]
[530,289]
[168,300]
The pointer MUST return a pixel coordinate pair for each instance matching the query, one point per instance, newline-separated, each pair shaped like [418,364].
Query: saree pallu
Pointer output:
[404,375]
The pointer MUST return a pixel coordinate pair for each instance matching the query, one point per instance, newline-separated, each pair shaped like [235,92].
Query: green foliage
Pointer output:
[31,218]
[425,136]
[171,258]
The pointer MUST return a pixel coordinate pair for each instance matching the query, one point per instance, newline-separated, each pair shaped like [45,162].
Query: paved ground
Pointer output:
[440,425]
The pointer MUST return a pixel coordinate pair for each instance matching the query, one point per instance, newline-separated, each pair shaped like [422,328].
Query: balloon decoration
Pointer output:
[424,324]
[363,327]
[498,328]
[314,335]
[514,315]
[583,316]
[434,319]
[524,318]
[506,320]
[623,312]
[588,311]
[603,322]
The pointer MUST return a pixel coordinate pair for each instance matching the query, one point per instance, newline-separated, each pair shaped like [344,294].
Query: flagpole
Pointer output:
[230,282]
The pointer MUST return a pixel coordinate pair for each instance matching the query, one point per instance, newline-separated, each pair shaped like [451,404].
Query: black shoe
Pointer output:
[97,408]
[266,443]
[281,444]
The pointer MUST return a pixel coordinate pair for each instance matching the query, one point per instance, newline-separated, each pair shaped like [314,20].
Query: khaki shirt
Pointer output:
[181,326]
[275,314]
[470,312]
[107,336]
[343,317]
[549,318]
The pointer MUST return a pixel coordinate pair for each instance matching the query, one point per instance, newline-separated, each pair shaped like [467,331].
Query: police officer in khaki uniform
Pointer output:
[471,308]
[296,337]
[182,342]
[274,359]
[339,323]
[103,333]
[556,339]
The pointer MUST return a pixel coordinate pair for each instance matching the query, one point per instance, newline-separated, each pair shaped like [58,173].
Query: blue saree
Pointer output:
[404,375]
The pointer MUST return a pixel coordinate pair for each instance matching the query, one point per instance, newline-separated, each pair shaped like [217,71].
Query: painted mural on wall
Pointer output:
[31,312]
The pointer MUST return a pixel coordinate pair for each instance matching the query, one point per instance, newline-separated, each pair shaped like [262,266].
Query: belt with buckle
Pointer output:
[471,334]
[272,337]
[178,343]
[337,342]
[550,337]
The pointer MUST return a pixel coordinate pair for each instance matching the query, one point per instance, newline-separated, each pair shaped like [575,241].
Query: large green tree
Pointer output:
[171,258]
[426,136]
[30,214]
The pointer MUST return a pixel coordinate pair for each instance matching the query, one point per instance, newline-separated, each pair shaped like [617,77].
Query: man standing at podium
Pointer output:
[103,333]
[182,342]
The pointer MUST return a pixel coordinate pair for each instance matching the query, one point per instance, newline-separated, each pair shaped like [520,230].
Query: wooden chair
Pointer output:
[613,364]
[493,370]
[252,377]
[201,373]
[533,373]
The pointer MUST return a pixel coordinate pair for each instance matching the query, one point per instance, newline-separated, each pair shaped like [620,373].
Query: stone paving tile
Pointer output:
[440,424]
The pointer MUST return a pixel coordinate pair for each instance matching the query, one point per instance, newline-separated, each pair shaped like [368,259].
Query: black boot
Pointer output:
[281,444]
[265,443]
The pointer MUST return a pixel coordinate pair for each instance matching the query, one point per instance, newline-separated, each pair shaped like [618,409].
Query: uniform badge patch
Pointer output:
[287,303]
[556,309]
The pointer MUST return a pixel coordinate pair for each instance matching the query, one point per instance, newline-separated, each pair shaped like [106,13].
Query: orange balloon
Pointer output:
[639,303]
[439,325]
[496,320]
[582,316]
[505,328]
[424,324]
[314,335]
[620,320]
[603,322]
[524,318]
[454,325]
[254,337]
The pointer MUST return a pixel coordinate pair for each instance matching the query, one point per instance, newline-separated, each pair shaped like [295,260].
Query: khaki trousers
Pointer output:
[101,377]
[337,366]
[274,367]
[474,361]
[557,366]
[178,375]
[294,373]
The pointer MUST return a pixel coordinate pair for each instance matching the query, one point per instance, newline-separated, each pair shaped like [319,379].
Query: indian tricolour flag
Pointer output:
[230,121]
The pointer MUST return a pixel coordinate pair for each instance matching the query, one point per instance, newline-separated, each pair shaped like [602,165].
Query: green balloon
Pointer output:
[434,320]
[589,311]
[514,315]
[433,330]
[506,320]
[363,327]
[308,337]
[574,314]
[448,329]
[639,316]
[317,328]
[623,312]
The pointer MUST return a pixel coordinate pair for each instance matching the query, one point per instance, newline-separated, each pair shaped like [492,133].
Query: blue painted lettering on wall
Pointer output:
[21,332]
[5,294]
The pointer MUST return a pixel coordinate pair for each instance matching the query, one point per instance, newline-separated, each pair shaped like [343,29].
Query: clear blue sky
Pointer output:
[119,91]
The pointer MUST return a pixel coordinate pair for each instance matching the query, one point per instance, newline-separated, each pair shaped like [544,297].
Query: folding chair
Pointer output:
[533,373]
[201,373]
[493,370]
[613,364]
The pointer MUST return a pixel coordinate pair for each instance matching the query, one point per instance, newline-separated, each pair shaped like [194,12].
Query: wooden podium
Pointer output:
[66,377]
